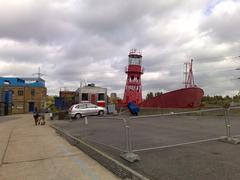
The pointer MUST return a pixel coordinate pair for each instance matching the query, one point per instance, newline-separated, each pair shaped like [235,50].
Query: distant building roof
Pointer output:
[16,81]
[91,88]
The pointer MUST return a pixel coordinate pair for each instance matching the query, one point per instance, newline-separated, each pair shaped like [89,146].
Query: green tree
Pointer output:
[149,95]
[157,93]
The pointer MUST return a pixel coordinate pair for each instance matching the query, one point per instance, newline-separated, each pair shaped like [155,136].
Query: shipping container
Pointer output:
[5,95]
[59,102]
[8,96]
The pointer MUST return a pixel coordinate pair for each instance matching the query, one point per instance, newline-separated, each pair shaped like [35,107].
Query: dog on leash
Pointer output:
[41,121]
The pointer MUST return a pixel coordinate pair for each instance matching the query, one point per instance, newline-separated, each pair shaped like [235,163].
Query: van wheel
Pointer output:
[78,116]
[101,113]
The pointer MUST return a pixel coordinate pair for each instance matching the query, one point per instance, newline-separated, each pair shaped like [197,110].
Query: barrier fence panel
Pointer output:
[131,134]
[176,129]
[233,121]
[106,131]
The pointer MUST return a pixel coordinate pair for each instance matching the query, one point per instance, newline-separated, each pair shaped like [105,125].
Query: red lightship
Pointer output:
[188,97]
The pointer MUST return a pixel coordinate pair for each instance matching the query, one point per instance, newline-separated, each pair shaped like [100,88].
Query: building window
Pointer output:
[20,92]
[84,96]
[33,92]
[100,97]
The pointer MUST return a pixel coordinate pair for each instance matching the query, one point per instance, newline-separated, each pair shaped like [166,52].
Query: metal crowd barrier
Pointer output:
[129,153]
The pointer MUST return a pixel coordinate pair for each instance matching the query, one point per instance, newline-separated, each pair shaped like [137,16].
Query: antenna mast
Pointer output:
[39,74]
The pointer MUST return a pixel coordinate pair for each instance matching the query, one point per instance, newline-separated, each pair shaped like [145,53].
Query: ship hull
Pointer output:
[181,98]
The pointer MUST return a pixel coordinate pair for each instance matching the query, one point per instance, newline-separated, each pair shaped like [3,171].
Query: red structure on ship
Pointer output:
[133,88]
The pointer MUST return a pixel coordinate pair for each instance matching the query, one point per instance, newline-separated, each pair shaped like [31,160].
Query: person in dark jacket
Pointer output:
[35,116]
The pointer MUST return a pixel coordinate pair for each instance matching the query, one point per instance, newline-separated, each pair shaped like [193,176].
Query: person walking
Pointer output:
[35,116]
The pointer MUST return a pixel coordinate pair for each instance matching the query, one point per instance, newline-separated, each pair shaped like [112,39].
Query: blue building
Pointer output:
[21,95]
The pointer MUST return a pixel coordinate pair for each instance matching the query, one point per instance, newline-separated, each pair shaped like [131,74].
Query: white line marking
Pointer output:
[180,144]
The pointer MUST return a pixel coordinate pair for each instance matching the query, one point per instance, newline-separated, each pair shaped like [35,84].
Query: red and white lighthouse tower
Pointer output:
[133,88]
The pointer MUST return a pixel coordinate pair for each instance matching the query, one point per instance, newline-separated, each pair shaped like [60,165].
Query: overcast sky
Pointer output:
[89,41]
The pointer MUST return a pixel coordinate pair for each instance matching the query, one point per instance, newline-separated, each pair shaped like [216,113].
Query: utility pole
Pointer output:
[39,74]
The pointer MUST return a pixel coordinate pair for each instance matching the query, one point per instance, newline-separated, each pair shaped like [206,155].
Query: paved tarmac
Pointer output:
[150,132]
[29,152]
[179,154]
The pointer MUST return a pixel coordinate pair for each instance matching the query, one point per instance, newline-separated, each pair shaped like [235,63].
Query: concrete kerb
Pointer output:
[108,162]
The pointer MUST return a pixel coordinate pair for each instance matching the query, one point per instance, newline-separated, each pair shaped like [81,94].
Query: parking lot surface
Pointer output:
[176,147]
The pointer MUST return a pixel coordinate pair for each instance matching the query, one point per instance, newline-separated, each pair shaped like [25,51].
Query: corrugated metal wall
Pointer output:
[5,101]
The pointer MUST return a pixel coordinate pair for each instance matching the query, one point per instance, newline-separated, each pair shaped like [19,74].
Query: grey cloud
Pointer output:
[89,40]
[223,26]
[33,21]
[26,52]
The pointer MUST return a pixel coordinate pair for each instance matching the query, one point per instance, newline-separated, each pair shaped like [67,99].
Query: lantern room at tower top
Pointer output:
[133,88]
